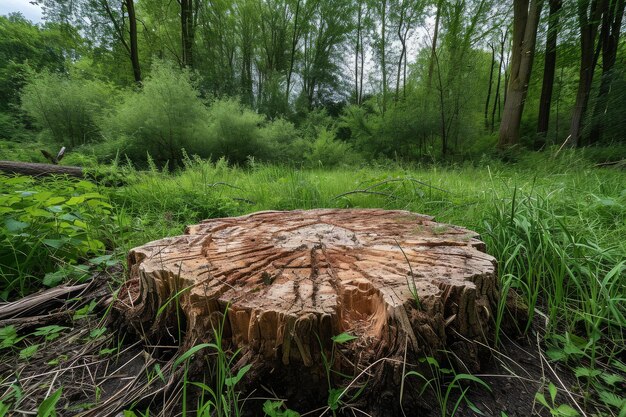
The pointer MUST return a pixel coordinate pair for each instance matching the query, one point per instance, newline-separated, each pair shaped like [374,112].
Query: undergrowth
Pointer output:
[555,224]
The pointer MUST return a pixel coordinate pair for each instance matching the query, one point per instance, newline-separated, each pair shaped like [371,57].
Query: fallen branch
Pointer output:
[38,170]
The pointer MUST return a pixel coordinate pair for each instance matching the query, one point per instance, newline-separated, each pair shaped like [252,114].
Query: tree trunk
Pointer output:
[548,74]
[357,98]
[609,38]
[187,31]
[134,51]
[525,22]
[496,100]
[285,283]
[589,21]
[489,86]
[383,52]
[38,170]
[431,64]
[294,44]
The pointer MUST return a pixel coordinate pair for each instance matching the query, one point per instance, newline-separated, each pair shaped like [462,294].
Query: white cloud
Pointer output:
[30,11]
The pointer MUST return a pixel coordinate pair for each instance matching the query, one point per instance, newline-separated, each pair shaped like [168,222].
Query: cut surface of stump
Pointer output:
[403,284]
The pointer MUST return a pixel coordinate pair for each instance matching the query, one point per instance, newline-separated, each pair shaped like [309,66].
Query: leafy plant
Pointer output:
[221,398]
[562,410]
[47,408]
[48,228]
[445,392]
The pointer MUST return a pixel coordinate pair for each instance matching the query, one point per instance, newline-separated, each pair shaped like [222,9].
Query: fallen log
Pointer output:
[37,170]
[285,283]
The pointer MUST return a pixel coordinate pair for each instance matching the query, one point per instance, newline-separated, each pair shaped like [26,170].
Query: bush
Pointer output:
[330,152]
[47,225]
[284,142]
[66,108]
[234,132]
[161,119]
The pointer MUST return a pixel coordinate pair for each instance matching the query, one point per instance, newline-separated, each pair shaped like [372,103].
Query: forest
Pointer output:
[503,117]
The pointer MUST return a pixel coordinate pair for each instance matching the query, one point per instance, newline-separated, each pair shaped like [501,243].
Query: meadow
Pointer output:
[554,221]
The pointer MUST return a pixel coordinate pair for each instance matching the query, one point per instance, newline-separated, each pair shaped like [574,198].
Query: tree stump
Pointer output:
[404,285]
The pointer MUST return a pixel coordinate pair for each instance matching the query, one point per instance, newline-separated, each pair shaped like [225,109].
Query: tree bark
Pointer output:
[525,23]
[134,50]
[548,74]
[285,283]
[187,31]
[609,38]
[489,86]
[496,100]
[589,16]
[38,170]
[431,64]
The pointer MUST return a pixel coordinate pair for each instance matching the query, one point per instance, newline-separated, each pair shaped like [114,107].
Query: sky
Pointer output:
[30,11]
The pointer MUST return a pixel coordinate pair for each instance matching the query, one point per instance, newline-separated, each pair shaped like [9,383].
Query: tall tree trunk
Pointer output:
[187,31]
[548,74]
[402,40]
[525,22]
[609,38]
[134,52]
[357,99]
[496,101]
[431,64]
[493,64]
[294,45]
[384,52]
[589,16]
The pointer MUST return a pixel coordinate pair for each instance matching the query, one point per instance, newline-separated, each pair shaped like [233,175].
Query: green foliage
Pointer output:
[47,225]
[66,108]
[460,384]
[284,142]
[326,151]
[234,132]
[562,410]
[161,119]
[48,406]
[25,46]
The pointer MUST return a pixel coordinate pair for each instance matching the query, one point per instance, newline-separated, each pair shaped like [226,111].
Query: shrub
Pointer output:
[234,132]
[161,119]
[284,142]
[47,225]
[329,152]
[65,108]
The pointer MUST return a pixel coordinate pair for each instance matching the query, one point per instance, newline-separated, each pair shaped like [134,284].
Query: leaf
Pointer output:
[96,333]
[343,338]
[612,379]
[75,200]
[552,390]
[541,399]
[586,372]
[29,351]
[52,279]
[612,399]
[50,332]
[271,408]
[54,243]
[13,225]
[334,396]
[232,381]
[4,409]
[54,201]
[567,411]
[47,406]
[182,358]
[8,336]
